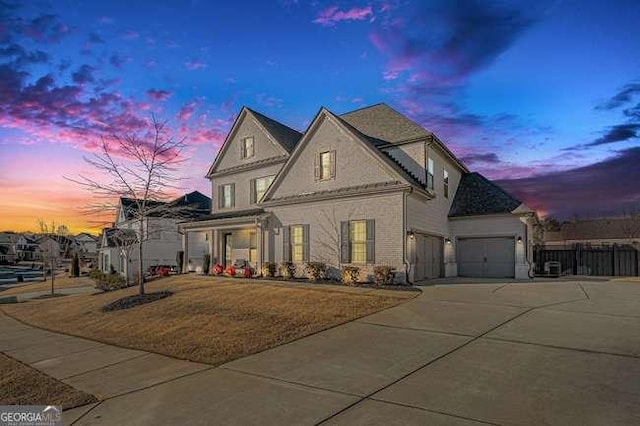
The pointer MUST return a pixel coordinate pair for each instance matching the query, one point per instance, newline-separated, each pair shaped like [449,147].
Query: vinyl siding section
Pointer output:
[431,216]
[324,220]
[355,165]
[486,226]
[264,146]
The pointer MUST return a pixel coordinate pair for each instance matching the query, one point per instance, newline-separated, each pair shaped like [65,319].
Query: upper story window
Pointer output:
[226,196]
[430,169]
[445,182]
[259,186]
[325,165]
[247,147]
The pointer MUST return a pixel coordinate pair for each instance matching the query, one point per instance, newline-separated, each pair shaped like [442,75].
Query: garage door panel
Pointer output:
[491,257]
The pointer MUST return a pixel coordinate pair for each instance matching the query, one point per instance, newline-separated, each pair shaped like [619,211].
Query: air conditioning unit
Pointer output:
[552,269]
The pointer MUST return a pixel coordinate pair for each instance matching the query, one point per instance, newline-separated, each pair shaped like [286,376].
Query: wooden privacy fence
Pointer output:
[602,261]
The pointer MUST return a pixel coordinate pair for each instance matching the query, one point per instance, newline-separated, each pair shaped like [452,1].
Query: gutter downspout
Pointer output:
[407,264]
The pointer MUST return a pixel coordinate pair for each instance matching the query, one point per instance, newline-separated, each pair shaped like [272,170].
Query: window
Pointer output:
[246,148]
[325,167]
[429,173]
[253,247]
[445,182]
[259,186]
[226,195]
[358,241]
[297,244]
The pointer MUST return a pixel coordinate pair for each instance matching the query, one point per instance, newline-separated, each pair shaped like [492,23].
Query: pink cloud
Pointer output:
[187,111]
[195,65]
[332,15]
[158,95]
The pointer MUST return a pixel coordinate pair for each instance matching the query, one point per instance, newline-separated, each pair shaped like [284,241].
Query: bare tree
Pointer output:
[53,247]
[140,168]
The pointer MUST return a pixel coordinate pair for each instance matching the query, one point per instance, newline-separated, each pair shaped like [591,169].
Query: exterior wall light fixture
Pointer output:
[519,240]
[447,240]
[411,234]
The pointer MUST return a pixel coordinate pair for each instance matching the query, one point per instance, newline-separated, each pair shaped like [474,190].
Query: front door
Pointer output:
[227,255]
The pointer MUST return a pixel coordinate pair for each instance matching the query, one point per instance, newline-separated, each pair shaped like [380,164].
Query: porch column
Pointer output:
[214,246]
[185,250]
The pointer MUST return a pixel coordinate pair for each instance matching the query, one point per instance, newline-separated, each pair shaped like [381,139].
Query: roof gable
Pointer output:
[476,195]
[282,139]
[389,170]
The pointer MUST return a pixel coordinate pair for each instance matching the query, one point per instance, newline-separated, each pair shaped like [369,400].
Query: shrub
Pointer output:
[206,262]
[350,274]
[383,275]
[288,270]
[269,270]
[110,282]
[230,271]
[218,269]
[316,270]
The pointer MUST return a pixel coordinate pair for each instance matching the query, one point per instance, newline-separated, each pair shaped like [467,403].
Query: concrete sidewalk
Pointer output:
[543,353]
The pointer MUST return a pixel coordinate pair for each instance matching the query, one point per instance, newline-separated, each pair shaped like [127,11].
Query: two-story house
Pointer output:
[365,188]
[161,239]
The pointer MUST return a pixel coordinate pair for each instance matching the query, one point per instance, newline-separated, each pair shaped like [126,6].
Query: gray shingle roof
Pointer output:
[286,136]
[384,125]
[230,215]
[193,204]
[476,195]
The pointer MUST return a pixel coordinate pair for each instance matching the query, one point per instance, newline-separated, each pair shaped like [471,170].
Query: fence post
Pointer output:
[613,260]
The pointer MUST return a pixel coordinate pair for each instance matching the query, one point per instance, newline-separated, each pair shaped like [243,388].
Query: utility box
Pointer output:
[552,269]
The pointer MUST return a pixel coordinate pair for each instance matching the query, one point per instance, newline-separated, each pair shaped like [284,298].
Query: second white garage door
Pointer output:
[486,257]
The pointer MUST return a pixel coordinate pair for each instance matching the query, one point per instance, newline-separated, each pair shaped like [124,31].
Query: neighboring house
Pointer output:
[160,234]
[7,247]
[87,246]
[62,247]
[365,188]
[27,248]
[595,232]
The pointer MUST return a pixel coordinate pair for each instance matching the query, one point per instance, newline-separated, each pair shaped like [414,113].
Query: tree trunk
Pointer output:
[140,263]
[52,277]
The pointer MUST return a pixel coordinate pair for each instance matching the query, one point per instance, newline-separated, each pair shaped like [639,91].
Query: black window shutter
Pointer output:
[316,167]
[332,164]
[252,191]
[220,196]
[305,241]
[345,249]
[233,195]
[371,241]
[286,244]
[243,148]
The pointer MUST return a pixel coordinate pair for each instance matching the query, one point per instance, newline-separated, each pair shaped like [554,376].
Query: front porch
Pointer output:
[234,238]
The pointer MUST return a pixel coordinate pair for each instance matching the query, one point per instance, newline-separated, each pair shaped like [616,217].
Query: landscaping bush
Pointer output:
[110,282]
[218,269]
[230,271]
[288,270]
[316,270]
[350,274]
[269,270]
[206,262]
[383,275]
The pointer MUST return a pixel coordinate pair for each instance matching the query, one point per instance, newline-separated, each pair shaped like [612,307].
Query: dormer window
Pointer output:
[246,147]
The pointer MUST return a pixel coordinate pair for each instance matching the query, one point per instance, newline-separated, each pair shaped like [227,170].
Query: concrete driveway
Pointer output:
[509,354]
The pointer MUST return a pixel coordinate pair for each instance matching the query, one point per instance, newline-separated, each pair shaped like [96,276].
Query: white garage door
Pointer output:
[486,257]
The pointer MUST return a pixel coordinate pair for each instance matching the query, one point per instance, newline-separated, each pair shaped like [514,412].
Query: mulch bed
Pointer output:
[133,301]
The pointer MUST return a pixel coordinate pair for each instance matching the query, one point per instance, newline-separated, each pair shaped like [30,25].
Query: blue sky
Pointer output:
[543,97]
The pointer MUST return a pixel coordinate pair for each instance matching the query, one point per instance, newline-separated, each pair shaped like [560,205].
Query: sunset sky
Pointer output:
[542,96]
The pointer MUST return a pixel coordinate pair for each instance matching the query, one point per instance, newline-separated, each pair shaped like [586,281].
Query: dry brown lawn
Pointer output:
[207,319]
[61,281]
[23,385]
